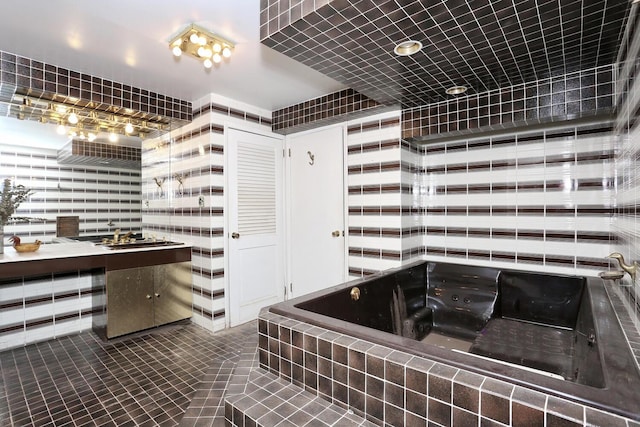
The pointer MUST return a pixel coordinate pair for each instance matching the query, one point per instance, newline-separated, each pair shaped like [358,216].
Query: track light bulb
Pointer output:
[216,47]
[113,137]
[201,51]
[177,51]
[217,58]
[128,128]
[73,118]
[193,38]
[226,52]
[61,129]
[208,63]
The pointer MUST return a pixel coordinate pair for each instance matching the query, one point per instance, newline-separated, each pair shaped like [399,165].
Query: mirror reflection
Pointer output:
[81,188]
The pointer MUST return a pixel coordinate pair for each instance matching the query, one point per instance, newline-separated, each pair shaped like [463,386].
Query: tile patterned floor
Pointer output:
[268,400]
[171,374]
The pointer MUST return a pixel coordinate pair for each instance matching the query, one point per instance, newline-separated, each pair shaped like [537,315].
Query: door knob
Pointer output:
[235,235]
[336,233]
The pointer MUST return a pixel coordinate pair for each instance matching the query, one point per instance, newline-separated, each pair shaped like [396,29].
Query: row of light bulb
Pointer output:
[90,136]
[212,54]
[73,120]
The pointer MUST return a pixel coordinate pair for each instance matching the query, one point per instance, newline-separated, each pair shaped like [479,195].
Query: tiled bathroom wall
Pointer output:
[384,203]
[183,185]
[38,308]
[104,198]
[626,223]
[374,200]
[536,200]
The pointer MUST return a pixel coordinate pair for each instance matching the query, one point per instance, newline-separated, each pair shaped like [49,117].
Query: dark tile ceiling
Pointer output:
[481,44]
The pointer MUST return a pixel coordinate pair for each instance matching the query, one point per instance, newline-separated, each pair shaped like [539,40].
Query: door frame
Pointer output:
[281,222]
[288,203]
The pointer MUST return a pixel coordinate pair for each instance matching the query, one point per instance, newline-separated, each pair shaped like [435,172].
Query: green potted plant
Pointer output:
[12,196]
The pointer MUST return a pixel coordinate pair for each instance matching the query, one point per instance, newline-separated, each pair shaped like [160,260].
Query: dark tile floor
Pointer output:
[169,376]
[268,400]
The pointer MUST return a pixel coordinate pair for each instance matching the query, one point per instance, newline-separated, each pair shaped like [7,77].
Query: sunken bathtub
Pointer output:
[554,334]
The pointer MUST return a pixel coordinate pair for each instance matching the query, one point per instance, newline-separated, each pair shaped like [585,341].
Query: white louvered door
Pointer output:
[255,223]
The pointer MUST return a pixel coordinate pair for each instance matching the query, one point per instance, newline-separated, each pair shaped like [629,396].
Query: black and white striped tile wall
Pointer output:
[626,224]
[538,200]
[194,154]
[541,200]
[375,193]
[100,196]
[38,308]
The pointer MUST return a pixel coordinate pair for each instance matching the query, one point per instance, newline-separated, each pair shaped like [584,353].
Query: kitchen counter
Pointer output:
[60,257]
[60,288]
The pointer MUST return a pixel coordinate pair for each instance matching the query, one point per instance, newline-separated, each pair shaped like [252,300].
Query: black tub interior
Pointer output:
[539,321]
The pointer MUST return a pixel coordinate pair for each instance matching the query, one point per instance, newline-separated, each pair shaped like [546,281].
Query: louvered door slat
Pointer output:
[256,189]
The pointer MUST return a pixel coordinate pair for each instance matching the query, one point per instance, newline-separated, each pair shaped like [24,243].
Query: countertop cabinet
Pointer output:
[172,292]
[140,295]
[129,300]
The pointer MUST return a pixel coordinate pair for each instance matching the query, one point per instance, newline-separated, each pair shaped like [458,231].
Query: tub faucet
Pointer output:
[631,269]
[116,235]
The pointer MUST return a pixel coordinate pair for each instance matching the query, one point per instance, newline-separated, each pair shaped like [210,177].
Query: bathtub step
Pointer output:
[268,400]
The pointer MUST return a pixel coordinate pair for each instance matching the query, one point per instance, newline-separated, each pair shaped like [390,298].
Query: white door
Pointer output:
[255,232]
[316,214]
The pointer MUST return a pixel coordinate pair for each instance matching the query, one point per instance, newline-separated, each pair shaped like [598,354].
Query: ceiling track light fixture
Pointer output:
[86,122]
[201,44]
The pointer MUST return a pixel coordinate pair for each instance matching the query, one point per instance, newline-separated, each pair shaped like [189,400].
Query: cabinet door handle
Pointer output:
[235,235]
[157,295]
[148,296]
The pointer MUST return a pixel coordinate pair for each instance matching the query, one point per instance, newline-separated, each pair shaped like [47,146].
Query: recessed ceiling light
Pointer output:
[407,48]
[456,90]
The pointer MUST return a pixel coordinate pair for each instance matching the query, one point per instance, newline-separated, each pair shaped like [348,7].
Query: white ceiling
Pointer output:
[127,41]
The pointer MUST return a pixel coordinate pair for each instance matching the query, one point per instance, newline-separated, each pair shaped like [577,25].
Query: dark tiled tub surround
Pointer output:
[386,385]
[397,385]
